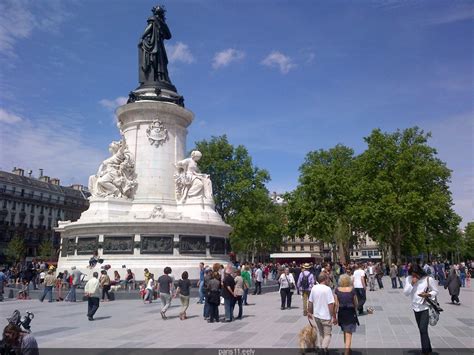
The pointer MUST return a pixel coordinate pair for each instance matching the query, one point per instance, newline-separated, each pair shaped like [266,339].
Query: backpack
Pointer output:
[305,281]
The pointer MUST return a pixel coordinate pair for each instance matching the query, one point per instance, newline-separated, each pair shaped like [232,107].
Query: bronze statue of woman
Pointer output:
[153,61]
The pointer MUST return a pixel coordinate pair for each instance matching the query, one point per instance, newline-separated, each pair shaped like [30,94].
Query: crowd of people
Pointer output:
[331,293]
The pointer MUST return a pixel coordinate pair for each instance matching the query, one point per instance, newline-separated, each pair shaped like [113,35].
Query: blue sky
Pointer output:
[280,77]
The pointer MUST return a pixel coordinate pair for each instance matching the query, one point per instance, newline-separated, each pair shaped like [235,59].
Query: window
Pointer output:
[4,203]
[22,192]
[12,219]
[32,221]
[293,248]
[14,205]
[311,247]
[370,253]
[357,253]
[364,252]
[302,248]
[285,248]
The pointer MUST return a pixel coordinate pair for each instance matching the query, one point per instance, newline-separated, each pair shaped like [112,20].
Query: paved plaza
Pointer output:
[132,324]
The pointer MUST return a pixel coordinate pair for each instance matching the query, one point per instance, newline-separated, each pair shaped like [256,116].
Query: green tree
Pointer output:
[403,197]
[240,196]
[467,244]
[320,205]
[46,250]
[16,249]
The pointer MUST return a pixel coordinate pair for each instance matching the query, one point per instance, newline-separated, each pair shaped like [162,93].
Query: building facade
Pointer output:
[31,208]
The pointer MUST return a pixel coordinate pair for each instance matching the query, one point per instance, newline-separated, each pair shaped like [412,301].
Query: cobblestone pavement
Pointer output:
[132,324]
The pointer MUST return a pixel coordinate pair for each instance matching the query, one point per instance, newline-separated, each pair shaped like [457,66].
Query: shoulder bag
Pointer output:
[434,309]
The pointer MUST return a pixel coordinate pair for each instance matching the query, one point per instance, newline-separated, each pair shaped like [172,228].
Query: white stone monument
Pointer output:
[150,207]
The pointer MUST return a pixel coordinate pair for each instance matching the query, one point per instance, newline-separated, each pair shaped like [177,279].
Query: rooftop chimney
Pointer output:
[18,171]
[78,187]
[41,172]
[55,181]
[44,178]
[30,173]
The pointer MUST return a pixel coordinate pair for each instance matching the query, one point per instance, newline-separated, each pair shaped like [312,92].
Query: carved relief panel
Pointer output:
[87,245]
[192,244]
[217,245]
[118,245]
[157,244]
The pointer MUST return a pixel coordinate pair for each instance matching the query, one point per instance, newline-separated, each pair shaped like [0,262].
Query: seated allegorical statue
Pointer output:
[116,175]
[191,185]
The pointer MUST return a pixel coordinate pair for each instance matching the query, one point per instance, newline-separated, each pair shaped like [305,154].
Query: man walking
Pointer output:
[49,282]
[321,309]
[201,283]
[76,281]
[305,284]
[91,290]
[360,287]
[258,280]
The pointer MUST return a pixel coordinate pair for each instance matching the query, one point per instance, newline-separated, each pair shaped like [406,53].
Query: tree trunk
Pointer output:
[341,251]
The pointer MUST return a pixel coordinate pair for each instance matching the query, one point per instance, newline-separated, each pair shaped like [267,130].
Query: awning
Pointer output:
[293,255]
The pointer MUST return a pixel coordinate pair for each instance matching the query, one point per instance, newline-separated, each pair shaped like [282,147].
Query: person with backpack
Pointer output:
[305,284]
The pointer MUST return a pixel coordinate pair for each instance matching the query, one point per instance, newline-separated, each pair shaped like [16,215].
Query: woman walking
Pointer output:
[150,286]
[418,287]
[105,284]
[183,291]
[345,299]
[453,284]
[286,282]
[238,292]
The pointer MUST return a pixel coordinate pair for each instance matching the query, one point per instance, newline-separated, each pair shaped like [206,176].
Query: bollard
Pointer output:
[10,294]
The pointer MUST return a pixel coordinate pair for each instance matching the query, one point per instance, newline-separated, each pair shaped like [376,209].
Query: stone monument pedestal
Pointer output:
[139,222]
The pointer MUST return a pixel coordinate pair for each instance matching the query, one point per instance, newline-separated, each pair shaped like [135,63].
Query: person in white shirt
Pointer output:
[360,287]
[258,280]
[418,287]
[321,310]
[286,281]
[149,289]
[92,291]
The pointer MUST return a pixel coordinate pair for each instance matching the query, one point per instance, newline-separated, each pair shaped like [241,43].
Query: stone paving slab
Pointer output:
[132,324]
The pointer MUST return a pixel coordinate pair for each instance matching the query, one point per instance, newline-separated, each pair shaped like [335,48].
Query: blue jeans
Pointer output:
[201,291]
[206,309]
[244,297]
[463,279]
[229,308]
[441,279]
[47,289]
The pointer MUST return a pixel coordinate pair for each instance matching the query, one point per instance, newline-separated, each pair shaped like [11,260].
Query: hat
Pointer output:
[73,268]
[306,266]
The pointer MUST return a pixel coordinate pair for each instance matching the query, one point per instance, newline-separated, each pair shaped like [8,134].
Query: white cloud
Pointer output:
[57,144]
[180,52]
[113,104]
[227,56]
[277,59]
[8,117]
[19,19]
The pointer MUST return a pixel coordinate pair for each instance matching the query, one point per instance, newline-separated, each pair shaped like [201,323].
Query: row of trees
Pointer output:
[396,191]
[16,250]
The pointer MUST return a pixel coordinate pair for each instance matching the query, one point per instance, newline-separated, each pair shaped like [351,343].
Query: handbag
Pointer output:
[434,308]
[292,285]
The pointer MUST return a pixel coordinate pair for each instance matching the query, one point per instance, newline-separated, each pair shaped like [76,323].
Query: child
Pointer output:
[23,294]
